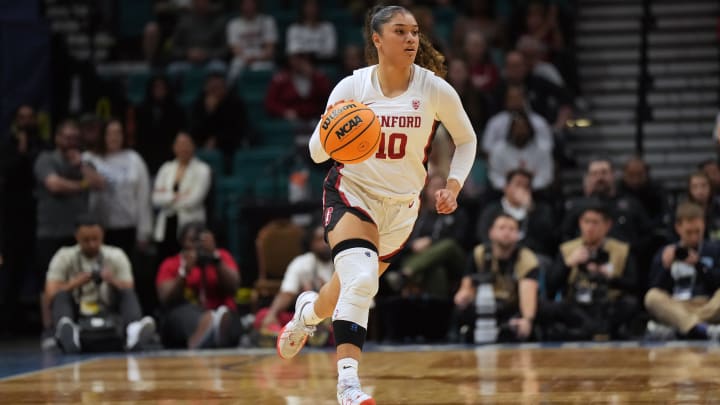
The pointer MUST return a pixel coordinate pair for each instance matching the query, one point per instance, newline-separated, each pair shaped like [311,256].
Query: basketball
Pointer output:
[349,132]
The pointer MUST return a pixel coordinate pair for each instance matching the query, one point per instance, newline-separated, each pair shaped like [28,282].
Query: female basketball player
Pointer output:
[370,207]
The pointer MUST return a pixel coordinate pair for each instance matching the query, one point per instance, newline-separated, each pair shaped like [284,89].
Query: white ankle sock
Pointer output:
[347,369]
[308,315]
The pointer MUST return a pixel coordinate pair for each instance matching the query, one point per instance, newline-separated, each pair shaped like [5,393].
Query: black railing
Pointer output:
[642,110]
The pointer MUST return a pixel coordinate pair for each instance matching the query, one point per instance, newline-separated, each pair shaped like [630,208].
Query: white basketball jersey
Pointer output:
[408,124]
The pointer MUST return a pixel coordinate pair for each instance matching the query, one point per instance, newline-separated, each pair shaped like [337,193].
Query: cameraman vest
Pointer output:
[505,285]
[618,252]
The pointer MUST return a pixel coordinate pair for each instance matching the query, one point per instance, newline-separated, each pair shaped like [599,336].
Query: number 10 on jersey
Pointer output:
[392,147]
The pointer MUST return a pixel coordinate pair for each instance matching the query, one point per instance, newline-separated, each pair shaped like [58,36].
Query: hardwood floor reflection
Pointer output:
[687,375]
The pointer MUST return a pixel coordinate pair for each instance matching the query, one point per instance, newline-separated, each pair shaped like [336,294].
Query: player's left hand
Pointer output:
[445,201]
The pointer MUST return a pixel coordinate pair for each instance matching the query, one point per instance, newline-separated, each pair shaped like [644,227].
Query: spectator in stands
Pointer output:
[711,168]
[123,206]
[91,137]
[307,272]
[595,274]
[196,289]
[181,187]
[219,119]
[636,182]
[484,76]
[541,23]
[550,101]
[92,279]
[699,191]
[499,124]
[18,152]
[685,277]
[312,35]
[629,222]
[63,182]
[251,37]
[159,119]
[298,92]
[524,145]
[352,59]
[426,24]
[434,257]
[537,226]
[474,101]
[198,39]
[478,16]
[535,54]
[512,272]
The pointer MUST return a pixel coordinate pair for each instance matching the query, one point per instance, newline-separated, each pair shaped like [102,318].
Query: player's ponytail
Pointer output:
[427,56]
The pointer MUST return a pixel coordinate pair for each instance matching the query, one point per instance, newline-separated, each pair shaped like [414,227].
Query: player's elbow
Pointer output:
[318,155]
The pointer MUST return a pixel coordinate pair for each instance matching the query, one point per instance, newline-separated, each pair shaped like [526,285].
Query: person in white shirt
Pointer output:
[123,206]
[251,37]
[310,35]
[370,208]
[181,187]
[307,272]
[518,138]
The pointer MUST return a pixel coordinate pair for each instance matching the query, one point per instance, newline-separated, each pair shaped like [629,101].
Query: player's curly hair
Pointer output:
[427,56]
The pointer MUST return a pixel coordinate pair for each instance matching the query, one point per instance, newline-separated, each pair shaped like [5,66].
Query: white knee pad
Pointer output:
[357,269]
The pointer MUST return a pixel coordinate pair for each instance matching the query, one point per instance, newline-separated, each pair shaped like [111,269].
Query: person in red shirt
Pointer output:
[298,92]
[196,289]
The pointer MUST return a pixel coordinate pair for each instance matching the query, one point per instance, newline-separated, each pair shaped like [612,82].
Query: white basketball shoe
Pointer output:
[294,334]
[349,393]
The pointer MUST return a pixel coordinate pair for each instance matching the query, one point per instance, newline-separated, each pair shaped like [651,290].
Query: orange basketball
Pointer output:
[350,132]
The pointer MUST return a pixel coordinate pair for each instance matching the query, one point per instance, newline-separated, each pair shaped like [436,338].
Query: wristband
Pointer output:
[84,184]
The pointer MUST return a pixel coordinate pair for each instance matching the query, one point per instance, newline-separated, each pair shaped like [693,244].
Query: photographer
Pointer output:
[596,276]
[513,273]
[196,289]
[685,277]
[91,279]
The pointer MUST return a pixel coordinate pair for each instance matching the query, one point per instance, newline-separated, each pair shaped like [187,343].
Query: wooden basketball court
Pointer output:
[578,374]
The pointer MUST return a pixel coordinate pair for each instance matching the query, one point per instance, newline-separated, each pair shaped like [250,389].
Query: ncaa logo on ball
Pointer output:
[342,131]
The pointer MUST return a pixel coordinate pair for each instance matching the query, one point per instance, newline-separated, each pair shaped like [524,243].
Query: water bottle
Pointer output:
[486,330]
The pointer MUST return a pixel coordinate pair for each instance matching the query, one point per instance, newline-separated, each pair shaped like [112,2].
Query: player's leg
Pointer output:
[312,308]
[355,255]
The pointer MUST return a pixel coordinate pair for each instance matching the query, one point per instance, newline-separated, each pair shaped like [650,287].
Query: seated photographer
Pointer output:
[94,280]
[685,277]
[596,276]
[196,290]
[501,279]
[307,272]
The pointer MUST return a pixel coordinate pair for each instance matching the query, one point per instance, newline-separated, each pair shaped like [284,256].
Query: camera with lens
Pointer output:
[597,257]
[205,257]
[95,272]
[683,274]
[681,253]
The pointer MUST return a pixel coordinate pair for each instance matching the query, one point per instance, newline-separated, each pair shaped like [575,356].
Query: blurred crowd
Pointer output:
[111,215]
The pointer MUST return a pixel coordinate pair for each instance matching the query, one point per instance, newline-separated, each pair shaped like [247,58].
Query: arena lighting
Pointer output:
[579,123]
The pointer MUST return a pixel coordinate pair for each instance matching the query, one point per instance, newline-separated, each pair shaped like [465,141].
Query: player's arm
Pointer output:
[452,115]
[343,91]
